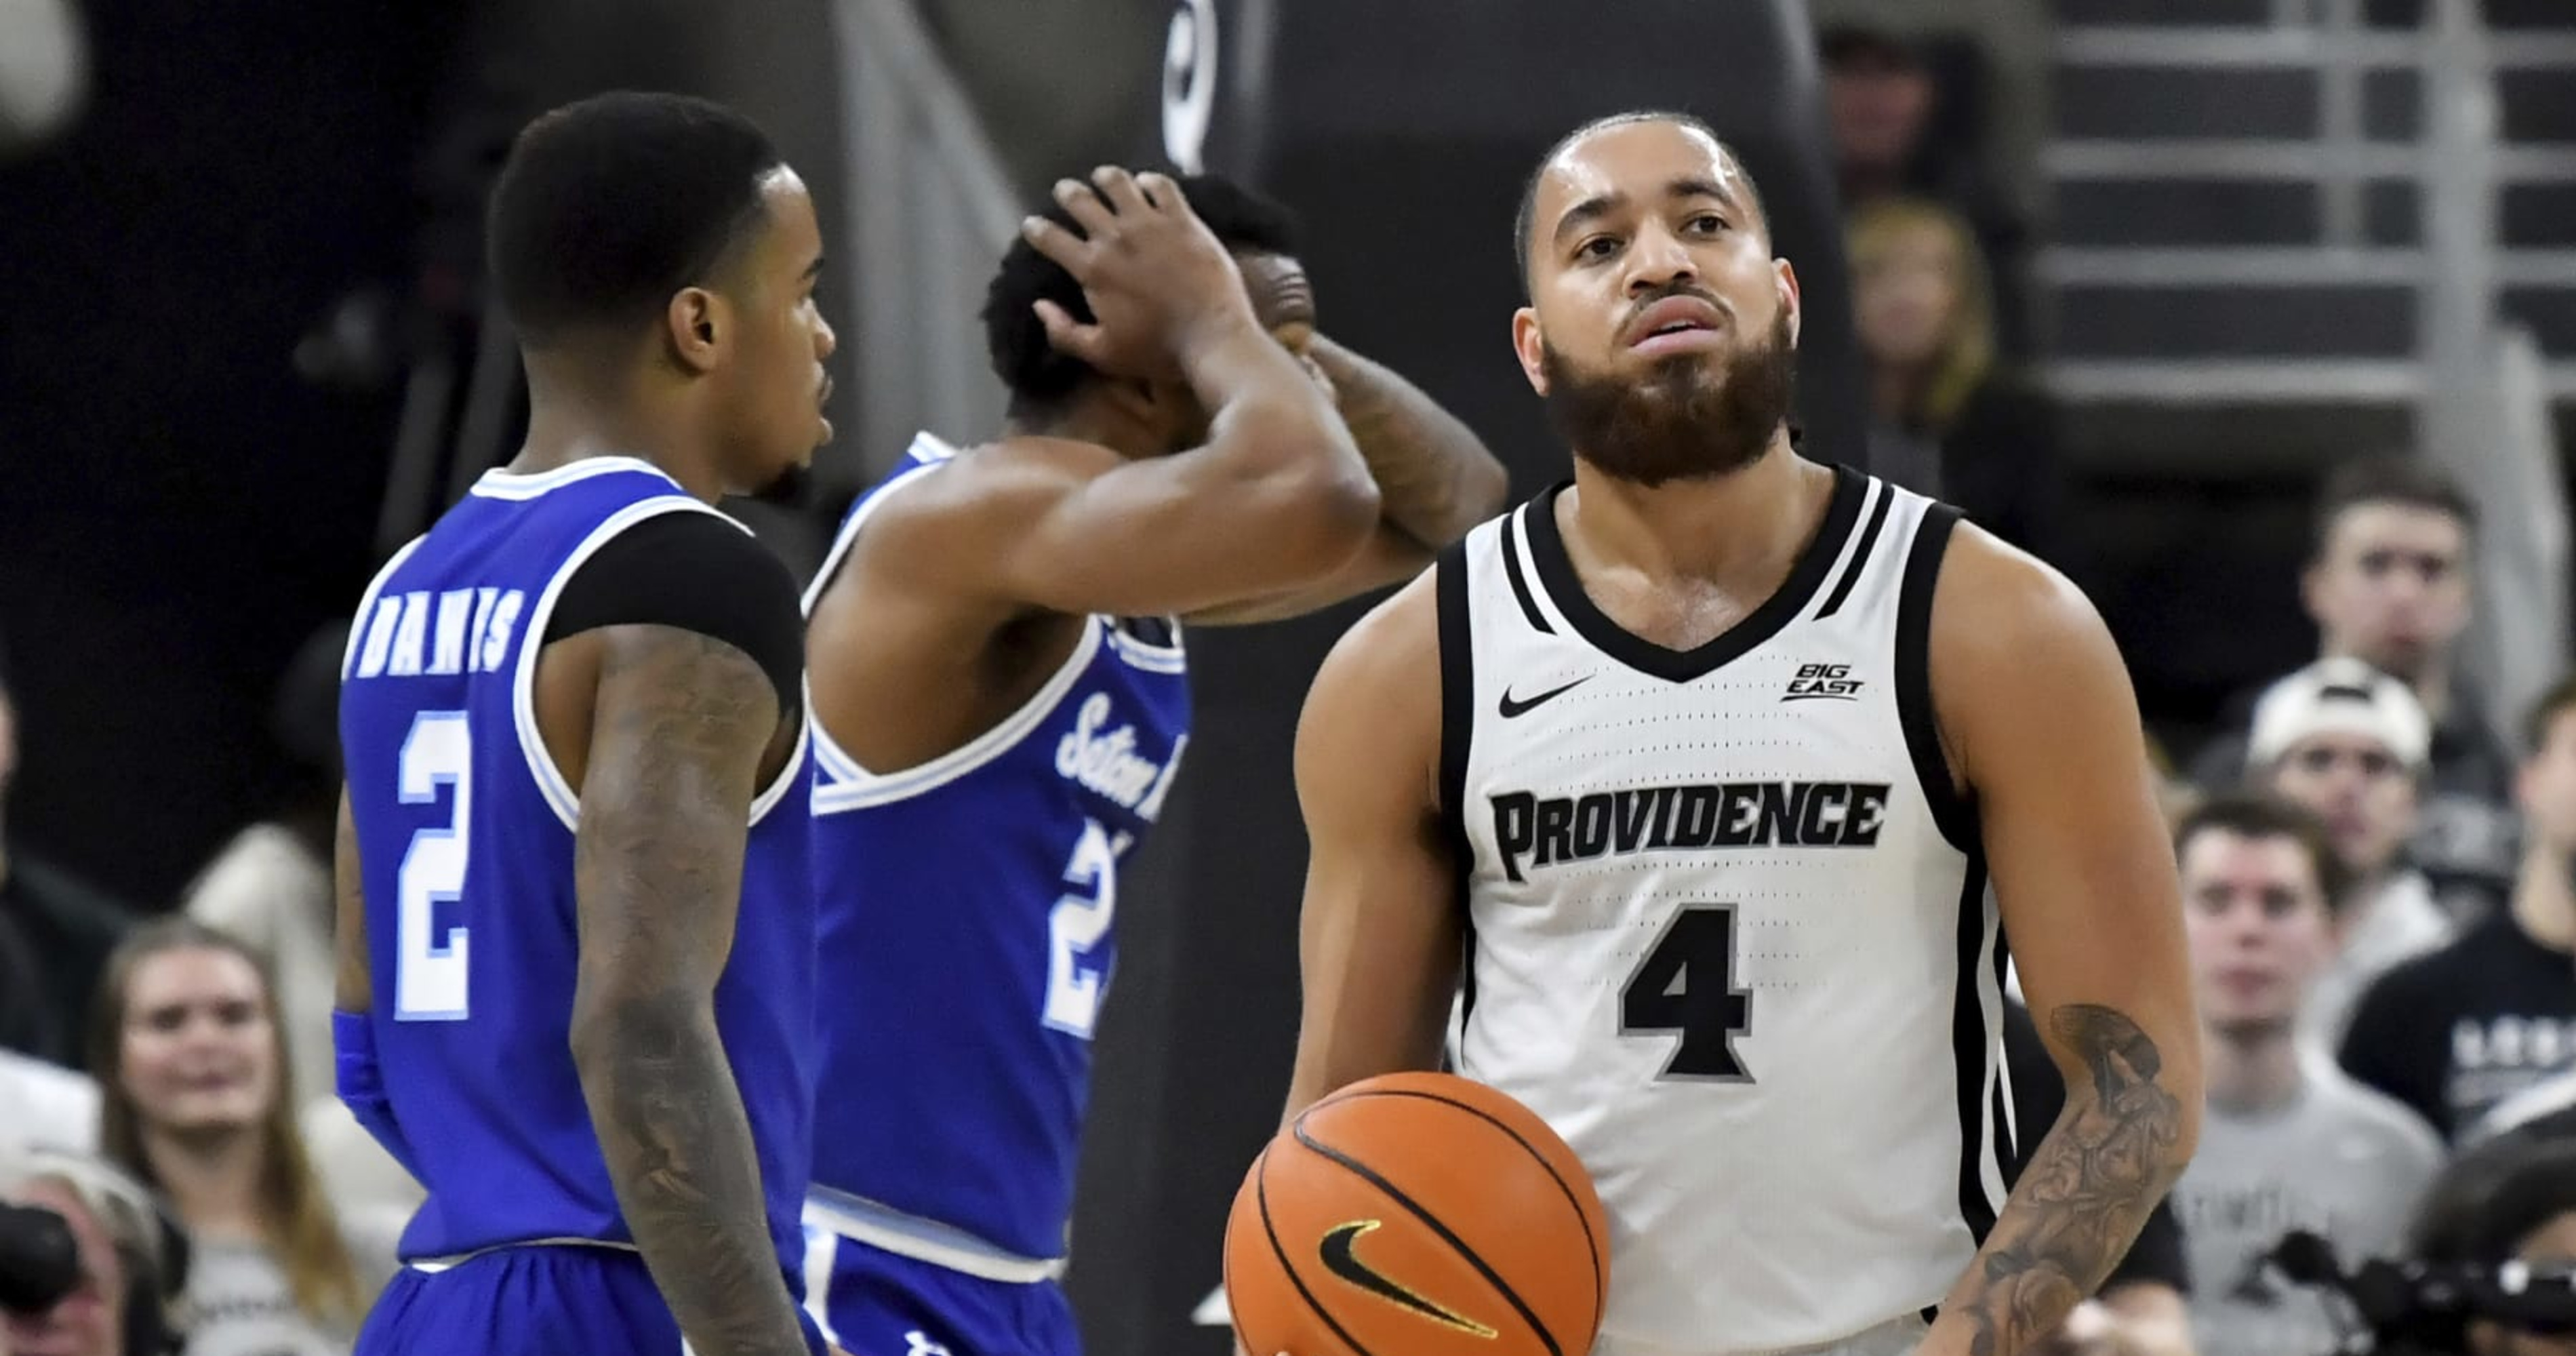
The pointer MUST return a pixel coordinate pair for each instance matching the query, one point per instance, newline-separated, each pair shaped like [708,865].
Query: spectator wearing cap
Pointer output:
[55,933]
[2456,1032]
[2349,743]
[2387,582]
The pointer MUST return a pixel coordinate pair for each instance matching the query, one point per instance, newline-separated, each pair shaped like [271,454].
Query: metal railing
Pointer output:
[931,209]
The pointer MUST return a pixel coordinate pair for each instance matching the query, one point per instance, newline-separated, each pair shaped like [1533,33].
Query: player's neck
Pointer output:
[1737,531]
[2249,1073]
[1102,423]
[573,416]
[213,1180]
[2544,897]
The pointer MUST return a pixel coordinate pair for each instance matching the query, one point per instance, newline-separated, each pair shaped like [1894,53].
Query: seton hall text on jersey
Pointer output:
[1562,829]
[457,631]
[1108,763]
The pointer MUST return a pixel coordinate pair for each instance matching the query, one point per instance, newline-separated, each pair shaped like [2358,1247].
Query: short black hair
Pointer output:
[2252,814]
[1525,221]
[2478,1211]
[2390,478]
[1040,377]
[608,206]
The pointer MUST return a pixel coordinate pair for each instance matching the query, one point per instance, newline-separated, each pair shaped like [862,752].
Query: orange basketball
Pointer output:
[1417,1215]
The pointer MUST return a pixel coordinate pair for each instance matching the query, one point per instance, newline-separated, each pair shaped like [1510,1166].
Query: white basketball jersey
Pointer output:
[1731,932]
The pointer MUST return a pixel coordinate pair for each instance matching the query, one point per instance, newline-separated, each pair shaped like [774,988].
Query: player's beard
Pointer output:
[1682,421]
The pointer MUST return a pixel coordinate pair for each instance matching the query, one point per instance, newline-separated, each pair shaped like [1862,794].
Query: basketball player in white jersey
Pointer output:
[1695,770]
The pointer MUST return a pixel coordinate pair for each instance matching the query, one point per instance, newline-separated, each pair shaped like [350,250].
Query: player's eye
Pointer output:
[1706,223]
[1598,247]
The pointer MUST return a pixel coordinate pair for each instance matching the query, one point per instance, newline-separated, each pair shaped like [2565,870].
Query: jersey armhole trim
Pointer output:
[1852,568]
[847,786]
[359,624]
[1954,812]
[550,781]
[1457,732]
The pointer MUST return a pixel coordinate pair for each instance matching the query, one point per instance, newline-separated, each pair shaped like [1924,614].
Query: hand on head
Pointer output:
[1156,278]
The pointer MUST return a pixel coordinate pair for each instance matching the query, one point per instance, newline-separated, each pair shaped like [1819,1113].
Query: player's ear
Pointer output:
[1530,346]
[697,326]
[1789,298]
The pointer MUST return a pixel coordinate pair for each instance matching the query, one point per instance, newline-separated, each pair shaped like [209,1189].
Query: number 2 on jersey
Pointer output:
[1686,986]
[429,973]
[1077,923]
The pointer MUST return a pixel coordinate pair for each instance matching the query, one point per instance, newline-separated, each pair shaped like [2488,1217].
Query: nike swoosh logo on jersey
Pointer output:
[1340,1260]
[1514,707]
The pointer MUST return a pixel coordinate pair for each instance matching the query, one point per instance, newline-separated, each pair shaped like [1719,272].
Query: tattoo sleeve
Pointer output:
[680,726]
[2109,1159]
[1434,477]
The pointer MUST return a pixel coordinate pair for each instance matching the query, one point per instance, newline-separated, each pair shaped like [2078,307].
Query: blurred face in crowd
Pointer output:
[200,1045]
[1907,292]
[90,1321]
[2549,1249]
[1877,107]
[2547,788]
[2392,587]
[1661,332]
[2259,926]
[2365,796]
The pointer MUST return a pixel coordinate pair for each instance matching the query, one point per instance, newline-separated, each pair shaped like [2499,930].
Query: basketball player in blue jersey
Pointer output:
[576,978]
[1001,704]
[1702,763]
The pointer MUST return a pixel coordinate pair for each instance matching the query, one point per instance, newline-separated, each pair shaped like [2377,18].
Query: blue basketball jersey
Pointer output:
[465,835]
[968,909]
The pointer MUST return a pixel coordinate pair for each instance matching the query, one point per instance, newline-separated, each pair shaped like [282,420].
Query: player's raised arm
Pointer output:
[679,728]
[1435,479]
[1380,934]
[1274,498]
[2036,712]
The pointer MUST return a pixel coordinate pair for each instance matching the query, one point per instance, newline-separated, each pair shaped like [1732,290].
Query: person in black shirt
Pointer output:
[55,933]
[2457,1031]
[2139,1309]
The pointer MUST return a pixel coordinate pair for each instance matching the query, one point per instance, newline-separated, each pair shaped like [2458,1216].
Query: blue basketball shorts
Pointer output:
[540,1300]
[876,1303]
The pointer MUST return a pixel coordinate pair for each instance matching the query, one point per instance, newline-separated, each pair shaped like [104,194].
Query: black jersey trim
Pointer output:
[1860,554]
[1972,1053]
[695,572]
[1953,810]
[1520,582]
[1457,732]
[1565,589]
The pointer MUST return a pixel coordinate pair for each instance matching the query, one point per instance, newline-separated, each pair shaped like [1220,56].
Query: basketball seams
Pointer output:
[1431,1222]
[1261,1197]
[1600,1288]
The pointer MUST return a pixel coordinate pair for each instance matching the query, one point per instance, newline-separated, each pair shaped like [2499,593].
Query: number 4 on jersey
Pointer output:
[1686,985]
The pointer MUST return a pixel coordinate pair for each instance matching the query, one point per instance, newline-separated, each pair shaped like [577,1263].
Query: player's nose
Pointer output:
[826,342]
[1656,260]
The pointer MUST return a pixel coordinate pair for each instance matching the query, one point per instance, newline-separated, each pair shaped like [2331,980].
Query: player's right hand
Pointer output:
[1157,278]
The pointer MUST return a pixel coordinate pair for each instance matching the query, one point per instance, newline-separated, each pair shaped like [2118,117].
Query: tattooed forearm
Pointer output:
[681,724]
[2113,1154]
[1434,477]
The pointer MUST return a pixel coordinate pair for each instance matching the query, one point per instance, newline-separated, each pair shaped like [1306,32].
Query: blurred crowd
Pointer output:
[2381,898]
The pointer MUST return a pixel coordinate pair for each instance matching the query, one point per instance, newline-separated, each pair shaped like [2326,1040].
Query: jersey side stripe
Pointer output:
[1972,1054]
[1458,719]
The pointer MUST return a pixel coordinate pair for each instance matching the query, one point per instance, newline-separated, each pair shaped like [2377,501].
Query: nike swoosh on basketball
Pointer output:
[1340,1260]
[1512,706]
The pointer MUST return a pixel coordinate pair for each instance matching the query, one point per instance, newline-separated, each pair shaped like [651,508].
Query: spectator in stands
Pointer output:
[2456,1032]
[1945,420]
[2349,742]
[55,933]
[133,1265]
[2139,1309]
[192,1069]
[2549,1102]
[2511,1200]
[2388,583]
[270,887]
[1897,133]
[2287,1142]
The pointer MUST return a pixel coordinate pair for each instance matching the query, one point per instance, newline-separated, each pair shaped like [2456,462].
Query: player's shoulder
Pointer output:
[2001,616]
[2372,1121]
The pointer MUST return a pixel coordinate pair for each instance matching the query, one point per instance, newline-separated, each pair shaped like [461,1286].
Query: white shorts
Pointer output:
[1897,1337]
